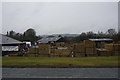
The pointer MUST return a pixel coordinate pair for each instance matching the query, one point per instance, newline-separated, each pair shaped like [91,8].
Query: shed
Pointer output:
[51,39]
[100,42]
[107,40]
[10,45]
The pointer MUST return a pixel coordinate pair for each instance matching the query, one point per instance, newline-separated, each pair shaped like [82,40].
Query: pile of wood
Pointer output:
[33,50]
[100,44]
[30,55]
[116,42]
[13,54]
[43,49]
[60,52]
[78,50]
[40,50]
[113,48]
[86,48]
[90,48]
[116,49]
[103,52]
[60,44]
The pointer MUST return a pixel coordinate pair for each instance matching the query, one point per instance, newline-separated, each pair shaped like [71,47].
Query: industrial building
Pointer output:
[10,45]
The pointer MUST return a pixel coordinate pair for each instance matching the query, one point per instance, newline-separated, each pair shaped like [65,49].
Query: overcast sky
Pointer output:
[55,18]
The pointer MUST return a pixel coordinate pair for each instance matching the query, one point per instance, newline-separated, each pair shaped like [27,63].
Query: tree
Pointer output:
[111,32]
[7,33]
[83,36]
[30,35]
[51,36]
[101,35]
[30,32]
[12,33]
[59,35]
[90,35]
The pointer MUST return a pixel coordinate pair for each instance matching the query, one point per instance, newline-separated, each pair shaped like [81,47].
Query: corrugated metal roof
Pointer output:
[104,39]
[47,39]
[8,40]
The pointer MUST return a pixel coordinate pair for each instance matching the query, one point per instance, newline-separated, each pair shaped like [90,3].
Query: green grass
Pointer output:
[60,61]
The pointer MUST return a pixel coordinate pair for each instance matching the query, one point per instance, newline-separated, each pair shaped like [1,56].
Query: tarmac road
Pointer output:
[60,72]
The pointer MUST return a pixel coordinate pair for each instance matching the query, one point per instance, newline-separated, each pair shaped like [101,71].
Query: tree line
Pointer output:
[30,35]
[110,33]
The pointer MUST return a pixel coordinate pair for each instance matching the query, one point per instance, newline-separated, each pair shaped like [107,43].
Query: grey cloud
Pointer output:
[49,18]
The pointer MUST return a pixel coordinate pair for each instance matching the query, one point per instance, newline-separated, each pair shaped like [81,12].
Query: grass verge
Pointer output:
[108,61]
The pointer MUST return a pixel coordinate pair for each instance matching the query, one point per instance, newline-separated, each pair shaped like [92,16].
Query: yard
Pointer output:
[101,61]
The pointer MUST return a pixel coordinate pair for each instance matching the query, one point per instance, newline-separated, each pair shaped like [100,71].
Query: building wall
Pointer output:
[20,48]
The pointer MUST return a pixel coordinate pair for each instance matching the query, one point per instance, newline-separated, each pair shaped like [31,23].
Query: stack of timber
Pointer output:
[33,50]
[60,52]
[109,47]
[13,54]
[43,50]
[116,49]
[102,45]
[60,44]
[103,52]
[60,49]
[69,46]
[113,48]
[90,48]
[30,55]
[116,42]
[78,50]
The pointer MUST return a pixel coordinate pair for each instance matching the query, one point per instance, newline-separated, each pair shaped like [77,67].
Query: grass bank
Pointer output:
[108,61]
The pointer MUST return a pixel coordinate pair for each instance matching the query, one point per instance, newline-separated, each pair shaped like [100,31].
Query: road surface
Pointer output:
[60,72]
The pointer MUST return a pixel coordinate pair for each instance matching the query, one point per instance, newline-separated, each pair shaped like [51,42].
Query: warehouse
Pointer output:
[10,45]
[52,43]
[100,42]
[100,46]
[51,39]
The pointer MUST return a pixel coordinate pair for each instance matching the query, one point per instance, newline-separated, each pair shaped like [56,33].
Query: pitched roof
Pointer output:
[8,40]
[48,39]
[104,39]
